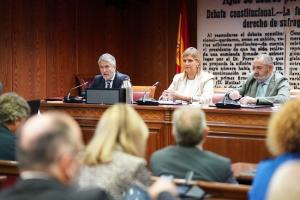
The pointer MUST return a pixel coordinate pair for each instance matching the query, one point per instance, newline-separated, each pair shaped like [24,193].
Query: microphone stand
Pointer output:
[67,98]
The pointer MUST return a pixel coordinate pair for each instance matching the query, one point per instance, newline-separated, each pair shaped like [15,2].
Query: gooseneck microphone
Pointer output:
[68,99]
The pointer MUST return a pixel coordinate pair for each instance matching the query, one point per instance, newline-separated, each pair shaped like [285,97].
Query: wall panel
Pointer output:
[61,46]
[47,42]
[6,44]
[29,48]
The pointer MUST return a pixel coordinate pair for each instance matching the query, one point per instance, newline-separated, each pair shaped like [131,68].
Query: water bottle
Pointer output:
[128,87]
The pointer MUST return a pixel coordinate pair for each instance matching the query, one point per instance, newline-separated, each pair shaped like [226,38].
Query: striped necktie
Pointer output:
[107,83]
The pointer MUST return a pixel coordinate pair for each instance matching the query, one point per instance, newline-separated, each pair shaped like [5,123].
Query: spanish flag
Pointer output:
[183,40]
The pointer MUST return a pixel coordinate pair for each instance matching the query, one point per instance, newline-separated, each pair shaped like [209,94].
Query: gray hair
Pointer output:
[12,108]
[108,58]
[46,148]
[188,126]
[267,60]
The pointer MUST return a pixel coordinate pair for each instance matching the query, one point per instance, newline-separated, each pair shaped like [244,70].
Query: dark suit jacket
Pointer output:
[178,160]
[99,82]
[49,189]
[7,144]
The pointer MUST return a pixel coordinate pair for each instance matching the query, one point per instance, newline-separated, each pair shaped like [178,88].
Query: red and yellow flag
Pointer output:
[183,36]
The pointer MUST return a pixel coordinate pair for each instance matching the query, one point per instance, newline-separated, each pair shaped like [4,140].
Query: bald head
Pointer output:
[189,126]
[44,138]
[285,182]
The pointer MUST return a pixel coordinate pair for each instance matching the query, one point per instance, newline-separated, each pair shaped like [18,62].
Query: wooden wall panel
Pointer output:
[29,52]
[101,30]
[5,44]
[151,46]
[47,42]
[61,46]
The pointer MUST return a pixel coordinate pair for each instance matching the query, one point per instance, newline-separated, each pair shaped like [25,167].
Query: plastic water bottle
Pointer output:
[128,87]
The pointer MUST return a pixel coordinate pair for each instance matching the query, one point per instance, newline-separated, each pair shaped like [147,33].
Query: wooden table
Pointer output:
[236,133]
[244,172]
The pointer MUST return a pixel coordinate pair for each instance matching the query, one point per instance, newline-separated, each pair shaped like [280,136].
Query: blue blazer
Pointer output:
[99,82]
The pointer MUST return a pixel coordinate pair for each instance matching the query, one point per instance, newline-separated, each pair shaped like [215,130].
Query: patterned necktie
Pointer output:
[260,90]
[107,83]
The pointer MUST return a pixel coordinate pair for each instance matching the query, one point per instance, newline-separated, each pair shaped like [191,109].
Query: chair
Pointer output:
[219,94]
[10,170]
[295,93]
[139,91]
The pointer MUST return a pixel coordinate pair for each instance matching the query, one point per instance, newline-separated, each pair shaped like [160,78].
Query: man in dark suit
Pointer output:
[190,131]
[48,155]
[13,111]
[110,77]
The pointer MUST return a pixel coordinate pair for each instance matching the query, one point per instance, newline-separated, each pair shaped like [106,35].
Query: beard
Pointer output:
[261,78]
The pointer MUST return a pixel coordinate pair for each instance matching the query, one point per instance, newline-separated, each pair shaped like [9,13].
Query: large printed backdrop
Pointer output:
[232,32]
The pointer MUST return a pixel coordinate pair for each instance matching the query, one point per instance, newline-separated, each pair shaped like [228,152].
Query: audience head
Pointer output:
[50,143]
[119,127]
[13,110]
[191,61]
[262,67]
[284,129]
[107,65]
[189,126]
[285,182]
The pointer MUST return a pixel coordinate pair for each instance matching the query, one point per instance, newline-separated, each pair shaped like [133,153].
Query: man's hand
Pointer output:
[234,95]
[248,100]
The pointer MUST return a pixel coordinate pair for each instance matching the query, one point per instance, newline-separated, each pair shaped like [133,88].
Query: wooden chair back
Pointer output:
[10,170]
[139,91]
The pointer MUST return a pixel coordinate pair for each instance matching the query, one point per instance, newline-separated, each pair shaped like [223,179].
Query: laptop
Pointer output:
[105,96]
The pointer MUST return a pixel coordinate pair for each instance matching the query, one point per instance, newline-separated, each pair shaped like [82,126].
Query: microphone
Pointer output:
[69,99]
[145,92]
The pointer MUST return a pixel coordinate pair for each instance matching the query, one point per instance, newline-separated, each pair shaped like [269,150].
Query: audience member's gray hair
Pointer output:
[12,108]
[45,149]
[188,126]
[108,58]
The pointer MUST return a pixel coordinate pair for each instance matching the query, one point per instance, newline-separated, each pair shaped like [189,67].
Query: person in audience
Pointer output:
[263,85]
[283,142]
[48,157]
[109,77]
[190,130]
[285,182]
[192,85]
[14,110]
[114,158]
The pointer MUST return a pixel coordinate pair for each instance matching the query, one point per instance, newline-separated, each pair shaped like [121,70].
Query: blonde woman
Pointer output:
[192,85]
[283,142]
[114,157]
